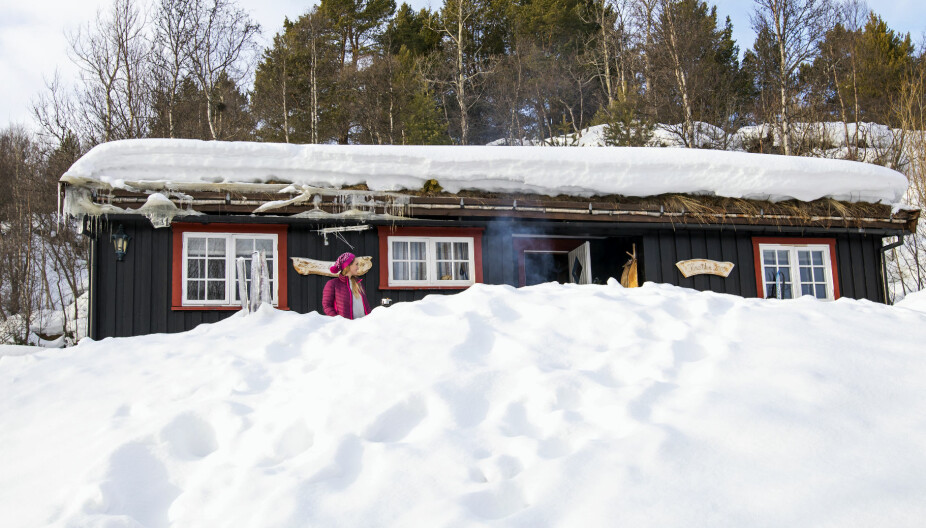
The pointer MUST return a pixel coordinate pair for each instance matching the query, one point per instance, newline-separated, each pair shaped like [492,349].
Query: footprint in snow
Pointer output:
[254,380]
[398,421]
[504,500]
[135,491]
[189,437]
[344,468]
[497,469]
[468,402]
[501,311]
[478,342]
[687,351]
[295,440]
[642,407]
[516,422]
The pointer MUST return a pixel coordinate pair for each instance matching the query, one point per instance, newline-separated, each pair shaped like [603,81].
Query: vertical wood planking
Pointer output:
[668,257]
[732,284]
[143,288]
[844,266]
[858,278]
[134,296]
[870,261]
[746,263]
[650,258]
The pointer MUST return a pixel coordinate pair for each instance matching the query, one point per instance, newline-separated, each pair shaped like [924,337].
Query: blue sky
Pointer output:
[32,43]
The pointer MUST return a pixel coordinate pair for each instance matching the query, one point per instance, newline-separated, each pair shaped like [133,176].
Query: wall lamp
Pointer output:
[121,243]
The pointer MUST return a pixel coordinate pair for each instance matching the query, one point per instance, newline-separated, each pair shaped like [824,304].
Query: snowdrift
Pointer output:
[544,406]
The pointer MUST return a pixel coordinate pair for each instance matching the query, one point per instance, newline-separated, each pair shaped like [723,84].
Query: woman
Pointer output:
[344,295]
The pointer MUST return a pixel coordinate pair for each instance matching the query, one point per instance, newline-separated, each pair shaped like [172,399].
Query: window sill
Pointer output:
[461,287]
[217,308]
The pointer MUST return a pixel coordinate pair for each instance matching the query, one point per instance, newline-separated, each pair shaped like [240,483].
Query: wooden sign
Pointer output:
[704,267]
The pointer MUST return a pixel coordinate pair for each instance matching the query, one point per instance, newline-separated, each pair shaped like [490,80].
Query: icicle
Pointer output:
[160,210]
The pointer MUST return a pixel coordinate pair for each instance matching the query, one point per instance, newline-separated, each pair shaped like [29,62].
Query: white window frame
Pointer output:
[431,262]
[231,270]
[794,267]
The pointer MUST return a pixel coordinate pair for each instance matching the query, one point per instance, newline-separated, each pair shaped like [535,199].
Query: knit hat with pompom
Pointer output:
[342,263]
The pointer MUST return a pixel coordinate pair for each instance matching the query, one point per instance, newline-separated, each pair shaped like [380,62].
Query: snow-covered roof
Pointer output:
[550,171]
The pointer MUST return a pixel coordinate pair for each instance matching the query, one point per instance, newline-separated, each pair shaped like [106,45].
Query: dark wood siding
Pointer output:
[134,296]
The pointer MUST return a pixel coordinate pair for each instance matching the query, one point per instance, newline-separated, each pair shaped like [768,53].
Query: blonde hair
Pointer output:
[354,284]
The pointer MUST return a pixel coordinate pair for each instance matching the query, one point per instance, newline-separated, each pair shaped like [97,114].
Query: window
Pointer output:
[205,263]
[430,261]
[791,270]
[210,273]
[431,258]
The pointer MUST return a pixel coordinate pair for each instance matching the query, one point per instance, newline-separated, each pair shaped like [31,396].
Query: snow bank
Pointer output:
[18,350]
[542,170]
[544,406]
[914,301]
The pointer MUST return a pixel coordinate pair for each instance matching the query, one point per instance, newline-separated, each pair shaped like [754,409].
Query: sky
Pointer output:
[33,44]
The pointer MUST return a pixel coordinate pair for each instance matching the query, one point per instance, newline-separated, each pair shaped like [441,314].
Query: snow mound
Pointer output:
[542,170]
[543,406]
[914,301]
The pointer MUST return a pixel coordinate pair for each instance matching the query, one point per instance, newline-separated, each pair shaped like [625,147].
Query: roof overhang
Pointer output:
[358,203]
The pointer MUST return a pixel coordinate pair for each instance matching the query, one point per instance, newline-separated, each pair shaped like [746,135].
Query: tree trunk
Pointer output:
[461,77]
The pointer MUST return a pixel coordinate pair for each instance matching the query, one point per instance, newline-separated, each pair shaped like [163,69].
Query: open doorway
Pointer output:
[580,260]
[563,260]
[545,266]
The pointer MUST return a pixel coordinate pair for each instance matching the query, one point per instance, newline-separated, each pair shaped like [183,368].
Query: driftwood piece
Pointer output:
[629,276]
[306,266]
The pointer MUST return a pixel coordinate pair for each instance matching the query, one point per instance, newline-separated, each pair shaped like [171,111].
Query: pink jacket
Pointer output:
[338,300]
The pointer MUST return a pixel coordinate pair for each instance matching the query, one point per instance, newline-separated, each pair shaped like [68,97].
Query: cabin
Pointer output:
[168,219]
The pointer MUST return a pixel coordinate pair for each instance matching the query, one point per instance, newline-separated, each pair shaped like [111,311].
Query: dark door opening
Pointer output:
[585,260]
[540,267]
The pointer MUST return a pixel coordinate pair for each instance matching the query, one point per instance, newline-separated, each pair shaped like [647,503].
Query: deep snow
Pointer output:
[544,406]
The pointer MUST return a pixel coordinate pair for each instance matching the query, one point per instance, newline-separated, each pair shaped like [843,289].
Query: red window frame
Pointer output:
[385,232]
[179,228]
[757,255]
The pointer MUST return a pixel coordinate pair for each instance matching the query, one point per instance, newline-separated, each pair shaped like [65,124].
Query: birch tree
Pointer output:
[462,70]
[696,73]
[610,48]
[222,44]
[174,24]
[111,53]
[796,27]
[907,264]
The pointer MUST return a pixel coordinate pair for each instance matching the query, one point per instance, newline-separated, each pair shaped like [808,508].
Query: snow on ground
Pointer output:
[69,321]
[543,170]
[18,350]
[914,301]
[543,406]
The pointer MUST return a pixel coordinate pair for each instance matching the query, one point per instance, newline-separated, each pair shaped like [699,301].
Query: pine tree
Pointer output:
[627,125]
[410,31]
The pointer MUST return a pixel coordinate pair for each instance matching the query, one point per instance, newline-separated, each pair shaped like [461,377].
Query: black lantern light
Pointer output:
[121,242]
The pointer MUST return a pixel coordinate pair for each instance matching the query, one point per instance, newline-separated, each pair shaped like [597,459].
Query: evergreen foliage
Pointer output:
[476,71]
